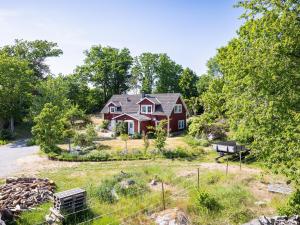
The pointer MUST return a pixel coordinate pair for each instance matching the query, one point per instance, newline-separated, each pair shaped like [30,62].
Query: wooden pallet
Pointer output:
[70,201]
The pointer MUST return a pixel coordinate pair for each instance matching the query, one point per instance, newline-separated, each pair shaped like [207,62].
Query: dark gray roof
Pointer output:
[164,102]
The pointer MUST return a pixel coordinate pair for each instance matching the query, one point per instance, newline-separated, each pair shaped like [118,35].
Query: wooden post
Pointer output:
[240,160]
[227,166]
[163,195]
[198,179]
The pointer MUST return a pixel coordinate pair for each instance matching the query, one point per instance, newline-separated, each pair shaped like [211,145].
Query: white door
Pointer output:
[130,127]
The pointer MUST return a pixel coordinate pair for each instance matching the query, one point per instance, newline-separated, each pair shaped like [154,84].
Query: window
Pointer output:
[178,108]
[180,124]
[112,109]
[146,109]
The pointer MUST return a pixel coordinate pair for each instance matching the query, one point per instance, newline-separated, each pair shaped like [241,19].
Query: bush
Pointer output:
[6,135]
[177,153]
[104,191]
[104,124]
[205,127]
[121,128]
[3,142]
[136,136]
[208,202]
[96,155]
[292,206]
[30,142]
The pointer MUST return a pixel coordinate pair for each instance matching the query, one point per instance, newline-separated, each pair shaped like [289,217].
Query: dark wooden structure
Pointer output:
[70,201]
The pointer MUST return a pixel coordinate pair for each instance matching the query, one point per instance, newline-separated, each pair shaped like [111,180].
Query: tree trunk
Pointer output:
[12,124]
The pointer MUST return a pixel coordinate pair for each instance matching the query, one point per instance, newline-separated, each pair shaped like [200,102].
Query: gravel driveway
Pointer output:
[11,154]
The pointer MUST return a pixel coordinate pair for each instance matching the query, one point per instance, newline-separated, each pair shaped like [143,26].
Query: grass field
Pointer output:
[234,195]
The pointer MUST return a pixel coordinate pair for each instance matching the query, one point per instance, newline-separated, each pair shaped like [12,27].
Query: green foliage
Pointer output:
[125,138]
[168,73]
[258,91]
[3,142]
[187,83]
[91,133]
[208,202]
[52,90]
[144,71]
[177,154]
[204,127]
[104,191]
[146,142]
[104,124]
[121,128]
[160,135]
[6,134]
[15,88]
[49,127]
[30,142]
[136,135]
[292,206]
[35,53]
[107,69]
[122,184]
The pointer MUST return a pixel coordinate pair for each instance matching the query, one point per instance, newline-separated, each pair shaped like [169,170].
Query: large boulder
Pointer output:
[173,216]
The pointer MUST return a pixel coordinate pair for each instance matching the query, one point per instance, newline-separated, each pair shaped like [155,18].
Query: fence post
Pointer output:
[227,166]
[163,195]
[198,179]
[240,160]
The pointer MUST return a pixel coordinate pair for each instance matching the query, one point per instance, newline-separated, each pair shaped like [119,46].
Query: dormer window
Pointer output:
[178,108]
[146,109]
[112,109]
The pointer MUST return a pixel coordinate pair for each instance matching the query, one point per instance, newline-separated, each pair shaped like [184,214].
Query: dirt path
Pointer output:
[19,159]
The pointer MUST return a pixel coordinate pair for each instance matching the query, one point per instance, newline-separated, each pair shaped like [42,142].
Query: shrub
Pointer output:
[145,142]
[292,206]
[136,136]
[80,139]
[104,191]
[30,142]
[104,124]
[205,127]
[3,142]
[96,155]
[133,189]
[177,153]
[91,133]
[121,128]
[6,135]
[208,202]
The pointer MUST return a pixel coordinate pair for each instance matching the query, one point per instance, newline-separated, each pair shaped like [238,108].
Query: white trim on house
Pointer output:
[112,109]
[178,108]
[181,124]
[147,109]
[148,100]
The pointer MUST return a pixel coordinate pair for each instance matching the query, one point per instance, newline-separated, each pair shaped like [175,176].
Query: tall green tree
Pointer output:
[168,73]
[35,53]
[15,88]
[187,83]
[107,69]
[144,72]
[261,82]
[49,127]
[52,90]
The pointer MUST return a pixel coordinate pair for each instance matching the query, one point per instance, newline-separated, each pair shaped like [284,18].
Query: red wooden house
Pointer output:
[143,110]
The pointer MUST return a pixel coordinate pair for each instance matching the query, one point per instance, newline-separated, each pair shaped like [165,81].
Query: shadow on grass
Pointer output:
[79,217]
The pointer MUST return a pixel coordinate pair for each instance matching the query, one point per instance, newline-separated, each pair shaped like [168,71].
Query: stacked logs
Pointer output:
[21,194]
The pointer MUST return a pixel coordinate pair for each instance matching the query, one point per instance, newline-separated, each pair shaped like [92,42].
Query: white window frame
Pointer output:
[181,124]
[112,109]
[146,107]
[178,108]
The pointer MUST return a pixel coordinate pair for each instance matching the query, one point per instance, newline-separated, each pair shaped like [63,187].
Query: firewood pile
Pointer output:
[21,194]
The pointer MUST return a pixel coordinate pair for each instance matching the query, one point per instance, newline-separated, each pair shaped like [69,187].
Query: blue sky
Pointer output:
[189,31]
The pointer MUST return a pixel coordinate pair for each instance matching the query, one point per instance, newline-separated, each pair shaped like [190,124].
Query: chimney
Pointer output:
[143,94]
